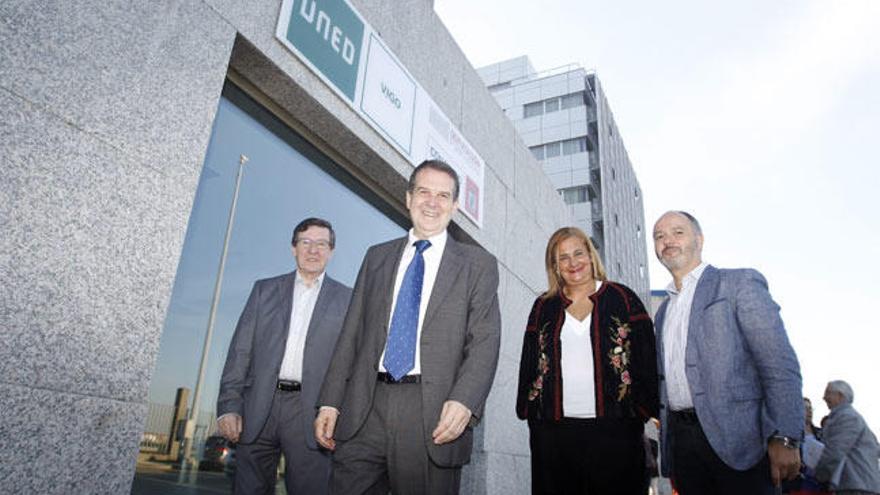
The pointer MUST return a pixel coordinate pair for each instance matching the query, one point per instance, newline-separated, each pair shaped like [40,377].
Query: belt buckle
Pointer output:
[386,377]
[288,385]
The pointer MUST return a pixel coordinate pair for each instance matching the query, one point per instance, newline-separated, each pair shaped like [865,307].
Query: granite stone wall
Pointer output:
[107,111]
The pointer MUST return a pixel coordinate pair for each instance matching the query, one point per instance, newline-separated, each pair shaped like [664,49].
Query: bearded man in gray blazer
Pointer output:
[731,410]
[275,366]
[416,356]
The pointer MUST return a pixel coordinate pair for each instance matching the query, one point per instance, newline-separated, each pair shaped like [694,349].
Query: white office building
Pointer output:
[564,118]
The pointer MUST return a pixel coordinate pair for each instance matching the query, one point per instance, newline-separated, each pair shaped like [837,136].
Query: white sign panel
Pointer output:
[389,95]
[439,139]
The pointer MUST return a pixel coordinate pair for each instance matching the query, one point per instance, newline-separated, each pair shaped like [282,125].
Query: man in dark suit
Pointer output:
[275,366]
[416,356]
[730,385]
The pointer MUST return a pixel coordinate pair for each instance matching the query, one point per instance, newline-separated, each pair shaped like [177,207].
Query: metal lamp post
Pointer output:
[197,395]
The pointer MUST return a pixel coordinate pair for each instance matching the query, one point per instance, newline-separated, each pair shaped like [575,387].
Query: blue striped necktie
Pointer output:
[400,350]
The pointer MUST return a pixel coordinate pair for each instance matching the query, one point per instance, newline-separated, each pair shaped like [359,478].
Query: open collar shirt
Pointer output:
[304,299]
[675,335]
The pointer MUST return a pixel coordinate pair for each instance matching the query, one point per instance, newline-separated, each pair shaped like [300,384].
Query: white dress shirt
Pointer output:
[432,257]
[675,335]
[304,299]
[578,380]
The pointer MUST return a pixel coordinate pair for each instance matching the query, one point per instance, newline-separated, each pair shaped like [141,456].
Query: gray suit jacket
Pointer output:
[847,437]
[742,372]
[459,341]
[257,349]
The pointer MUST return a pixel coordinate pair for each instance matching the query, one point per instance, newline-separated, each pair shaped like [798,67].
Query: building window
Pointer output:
[619,271]
[636,191]
[613,173]
[533,109]
[616,220]
[557,148]
[638,231]
[572,100]
[538,151]
[554,104]
[285,174]
[574,195]
[572,146]
[641,270]
[610,130]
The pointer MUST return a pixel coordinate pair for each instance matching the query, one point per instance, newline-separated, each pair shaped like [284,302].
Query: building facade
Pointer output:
[564,118]
[124,127]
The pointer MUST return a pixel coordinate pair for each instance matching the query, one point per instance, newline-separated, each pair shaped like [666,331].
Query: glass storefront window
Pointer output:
[284,181]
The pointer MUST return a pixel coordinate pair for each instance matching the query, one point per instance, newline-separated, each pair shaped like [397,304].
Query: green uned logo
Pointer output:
[330,35]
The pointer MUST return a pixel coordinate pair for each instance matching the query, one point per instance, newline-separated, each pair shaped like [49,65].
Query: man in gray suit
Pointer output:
[275,366]
[849,460]
[399,411]
[730,386]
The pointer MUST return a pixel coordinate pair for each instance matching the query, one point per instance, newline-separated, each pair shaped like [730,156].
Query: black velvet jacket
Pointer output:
[624,361]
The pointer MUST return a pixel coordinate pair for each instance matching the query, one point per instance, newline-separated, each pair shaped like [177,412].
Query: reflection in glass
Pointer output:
[285,181]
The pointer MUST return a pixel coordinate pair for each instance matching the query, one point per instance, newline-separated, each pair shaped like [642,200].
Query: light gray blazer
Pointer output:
[459,341]
[257,349]
[742,372]
[847,436]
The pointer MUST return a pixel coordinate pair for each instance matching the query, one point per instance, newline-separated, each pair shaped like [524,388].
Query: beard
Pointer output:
[672,263]
[679,257]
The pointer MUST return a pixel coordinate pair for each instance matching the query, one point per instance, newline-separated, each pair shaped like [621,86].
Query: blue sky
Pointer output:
[758,117]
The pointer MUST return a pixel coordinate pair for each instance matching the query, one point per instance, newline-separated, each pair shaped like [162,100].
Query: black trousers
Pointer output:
[601,456]
[697,469]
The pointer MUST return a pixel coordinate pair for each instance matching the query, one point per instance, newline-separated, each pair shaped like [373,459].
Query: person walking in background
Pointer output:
[275,366]
[849,460]
[806,483]
[587,376]
[730,390]
[809,427]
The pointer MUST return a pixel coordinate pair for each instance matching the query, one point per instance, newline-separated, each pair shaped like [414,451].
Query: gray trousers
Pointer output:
[389,451]
[307,471]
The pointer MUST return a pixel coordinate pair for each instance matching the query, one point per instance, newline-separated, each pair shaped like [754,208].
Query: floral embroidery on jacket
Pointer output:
[543,364]
[619,355]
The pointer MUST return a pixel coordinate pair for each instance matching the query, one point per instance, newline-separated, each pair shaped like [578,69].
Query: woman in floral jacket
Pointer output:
[587,377]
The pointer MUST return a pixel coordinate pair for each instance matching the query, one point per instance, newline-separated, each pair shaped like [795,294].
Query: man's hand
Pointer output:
[230,426]
[325,426]
[453,420]
[785,462]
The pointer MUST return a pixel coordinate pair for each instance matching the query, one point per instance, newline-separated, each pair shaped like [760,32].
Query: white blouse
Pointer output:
[578,383]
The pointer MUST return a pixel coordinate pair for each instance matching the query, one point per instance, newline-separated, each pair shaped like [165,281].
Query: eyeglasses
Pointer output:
[319,244]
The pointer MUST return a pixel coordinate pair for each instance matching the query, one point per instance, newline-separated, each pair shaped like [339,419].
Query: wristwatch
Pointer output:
[787,442]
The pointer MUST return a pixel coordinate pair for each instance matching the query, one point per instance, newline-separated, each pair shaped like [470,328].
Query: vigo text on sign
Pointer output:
[389,95]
